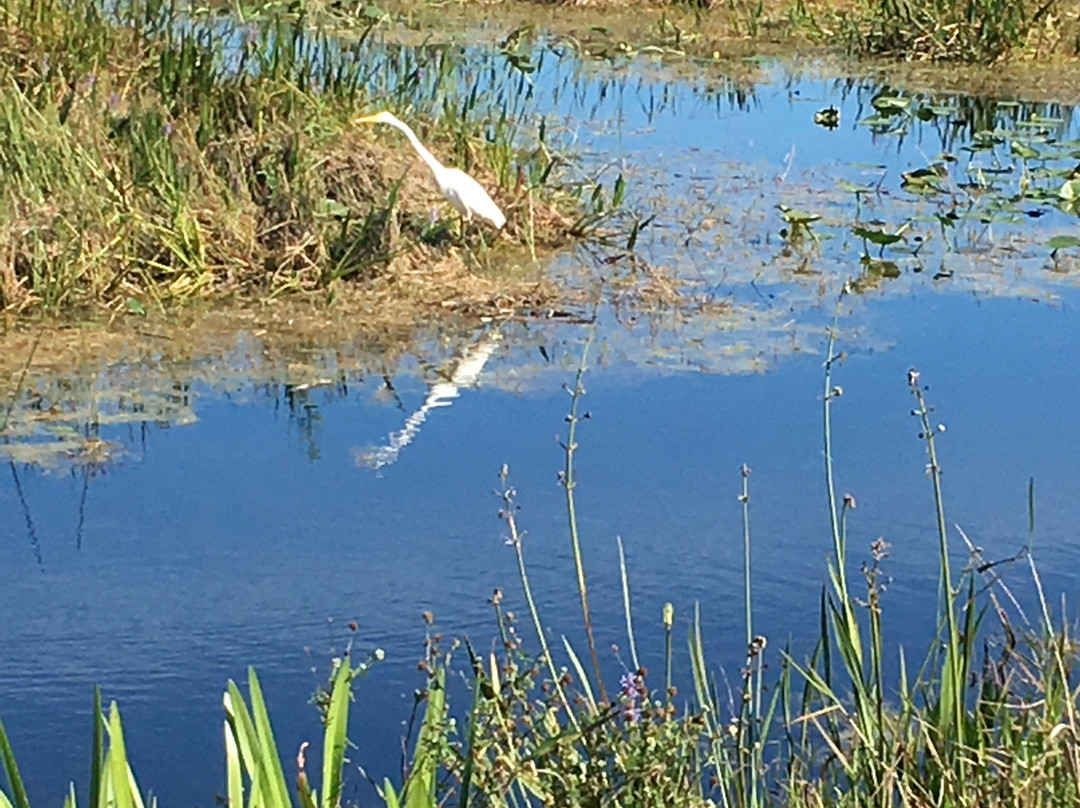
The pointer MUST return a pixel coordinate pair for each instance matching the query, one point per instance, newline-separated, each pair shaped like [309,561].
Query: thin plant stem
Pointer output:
[669,619]
[516,537]
[752,679]
[839,550]
[954,656]
[626,604]
[569,482]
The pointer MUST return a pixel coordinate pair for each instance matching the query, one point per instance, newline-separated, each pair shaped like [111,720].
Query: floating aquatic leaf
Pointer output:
[853,188]
[1022,150]
[799,216]
[890,104]
[923,180]
[880,236]
[1070,190]
[876,120]
[1063,242]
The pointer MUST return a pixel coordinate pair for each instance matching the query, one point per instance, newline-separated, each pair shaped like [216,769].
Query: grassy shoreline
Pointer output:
[153,154]
[150,155]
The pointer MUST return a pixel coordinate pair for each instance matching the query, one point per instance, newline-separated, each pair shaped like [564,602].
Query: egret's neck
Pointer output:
[421,149]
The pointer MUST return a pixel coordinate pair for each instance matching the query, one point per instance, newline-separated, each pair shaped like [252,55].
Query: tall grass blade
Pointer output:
[337,722]
[582,676]
[420,788]
[276,790]
[626,605]
[11,769]
[124,792]
[234,775]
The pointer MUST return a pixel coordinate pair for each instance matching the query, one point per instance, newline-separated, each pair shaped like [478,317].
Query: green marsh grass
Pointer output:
[950,30]
[987,717]
[153,152]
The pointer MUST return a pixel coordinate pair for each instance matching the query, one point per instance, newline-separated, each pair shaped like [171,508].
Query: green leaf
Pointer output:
[853,188]
[277,792]
[420,789]
[879,236]
[1022,150]
[135,307]
[619,193]
[331,207]
[1070,190]
[116,763]
[389,795]
[337,722]
[18,790]
[799,216]
[1063,242]
[890,104]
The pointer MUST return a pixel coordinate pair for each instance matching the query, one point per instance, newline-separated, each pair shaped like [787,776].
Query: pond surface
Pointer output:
[244,512]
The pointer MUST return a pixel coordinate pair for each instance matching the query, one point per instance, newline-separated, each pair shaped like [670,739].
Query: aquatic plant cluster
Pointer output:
[152,151]
[1003,165]
[987,716]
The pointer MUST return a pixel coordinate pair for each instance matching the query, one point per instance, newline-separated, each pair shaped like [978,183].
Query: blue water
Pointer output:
[253,535]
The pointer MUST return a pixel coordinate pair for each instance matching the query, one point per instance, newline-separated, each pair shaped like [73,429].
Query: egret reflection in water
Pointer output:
[441,394]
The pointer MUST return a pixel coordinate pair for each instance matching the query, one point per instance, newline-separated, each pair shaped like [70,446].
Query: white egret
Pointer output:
[464,193]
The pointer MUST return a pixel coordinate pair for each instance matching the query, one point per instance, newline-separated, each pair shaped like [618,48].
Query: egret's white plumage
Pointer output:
[466,195]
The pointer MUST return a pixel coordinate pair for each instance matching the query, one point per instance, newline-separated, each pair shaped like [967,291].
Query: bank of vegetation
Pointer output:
[152,152]
[958,31]
[985,715]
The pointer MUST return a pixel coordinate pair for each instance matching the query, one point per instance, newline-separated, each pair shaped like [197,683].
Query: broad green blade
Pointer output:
[337,723]
[389,795]
[18,791]
[277,792]
[233,768]
[247,742]
[116,761]
[420,788]
[580,669]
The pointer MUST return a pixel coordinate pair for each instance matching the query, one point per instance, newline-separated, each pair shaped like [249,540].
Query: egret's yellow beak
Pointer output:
[367,119]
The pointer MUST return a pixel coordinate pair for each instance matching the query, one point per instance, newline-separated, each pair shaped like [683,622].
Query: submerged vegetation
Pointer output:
[986,717]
